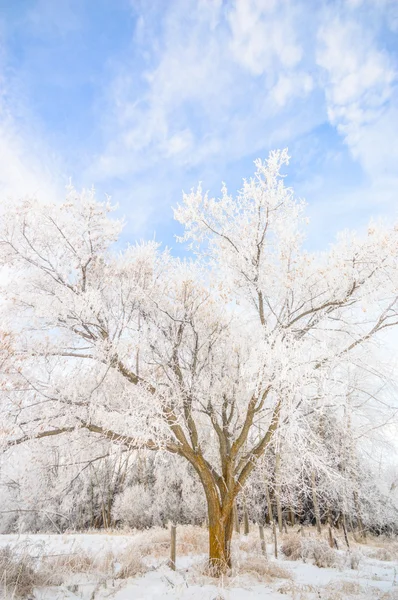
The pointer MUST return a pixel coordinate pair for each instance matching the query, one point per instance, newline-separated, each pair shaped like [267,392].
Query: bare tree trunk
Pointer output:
[292,517]
[217,561]
[354,535]
[220,535]
[270,512]
[278,491]
[299,508]
[262,539]
[331,540]
[345,530]
[246,526]
[219,547]
[91,503]
[315,502]
[229,526]
[236,518]
[359,517]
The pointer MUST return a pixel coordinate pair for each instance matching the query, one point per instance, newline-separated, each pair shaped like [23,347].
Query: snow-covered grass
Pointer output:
[134,566]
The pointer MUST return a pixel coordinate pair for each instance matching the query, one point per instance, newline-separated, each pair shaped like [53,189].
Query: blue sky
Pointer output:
[144,98]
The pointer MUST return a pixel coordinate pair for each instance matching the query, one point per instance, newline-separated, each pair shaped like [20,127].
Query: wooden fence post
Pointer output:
[262,538]
[275,540]
[246,527]
[331,540]
[345,531]
[173,540]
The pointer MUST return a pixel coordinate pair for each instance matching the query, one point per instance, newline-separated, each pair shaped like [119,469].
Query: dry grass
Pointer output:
[381,554]
[101,565]
[131,564]
[21,573]
[390,595]
[127,564]
[341,590]
[22,570]
[381,548]
[242,573]
[18,574]
[78,562]
[192,540]
[154,542]
[249,544]
[345,589]
[262,569]
[297,591]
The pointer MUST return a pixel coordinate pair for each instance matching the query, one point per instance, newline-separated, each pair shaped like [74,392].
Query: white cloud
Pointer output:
[362,101]
[289,87]
[180,142]
[387,9]
[52,18]
[26,166]
[198,99]
[264,37]
[147,113]
[359,75]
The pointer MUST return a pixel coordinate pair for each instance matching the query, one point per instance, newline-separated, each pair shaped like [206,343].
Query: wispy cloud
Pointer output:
[22,168]
[206,85]
[215,70]
[360,81]
[264,37]
[27,166]
[146,98]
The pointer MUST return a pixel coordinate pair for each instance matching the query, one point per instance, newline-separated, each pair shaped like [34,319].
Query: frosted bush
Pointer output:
[355,557]
[310,549]
[134,507]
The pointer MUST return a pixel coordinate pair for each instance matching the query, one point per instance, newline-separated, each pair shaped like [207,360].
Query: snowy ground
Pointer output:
[112,566]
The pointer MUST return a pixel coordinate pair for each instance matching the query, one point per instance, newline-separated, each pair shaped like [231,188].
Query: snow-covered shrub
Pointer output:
[310,549]
[355,557]
[320,552]
[291,547]
[134,507]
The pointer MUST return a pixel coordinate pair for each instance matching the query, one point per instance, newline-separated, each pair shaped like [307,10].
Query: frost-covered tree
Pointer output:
[209,359]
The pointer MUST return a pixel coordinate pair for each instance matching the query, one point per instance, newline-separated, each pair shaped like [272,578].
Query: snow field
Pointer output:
[96,566]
